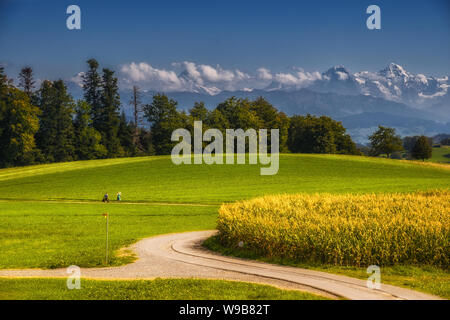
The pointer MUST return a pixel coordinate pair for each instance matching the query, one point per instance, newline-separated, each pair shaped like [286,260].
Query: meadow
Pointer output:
[158,289]
[52,235]
[157,179]
[440,154]
[50,215]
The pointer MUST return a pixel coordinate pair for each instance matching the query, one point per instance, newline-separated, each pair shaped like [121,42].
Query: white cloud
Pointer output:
[264,74]
[286,78]
[192,71]
[192,77]
[434,95]
[342,75]
[78,79]
[422,78]
[188,76]
[159,78]
[241,75]
[185,76]
[299,79]
[216,74]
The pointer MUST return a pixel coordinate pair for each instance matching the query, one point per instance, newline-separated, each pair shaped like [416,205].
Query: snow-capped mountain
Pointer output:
[195,87]
[412,103]
[360,114]
[396,84]
[337,80]
[392,83]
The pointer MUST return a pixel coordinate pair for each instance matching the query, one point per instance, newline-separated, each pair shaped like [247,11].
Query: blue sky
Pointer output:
[243,35]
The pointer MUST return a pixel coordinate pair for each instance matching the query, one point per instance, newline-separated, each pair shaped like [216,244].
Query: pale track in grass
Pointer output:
[181,255]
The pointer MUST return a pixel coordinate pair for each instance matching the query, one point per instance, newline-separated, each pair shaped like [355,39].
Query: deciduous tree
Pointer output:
[19,123]
[164,118]
[310,134]
[422,149]
[87,139]
[384,141]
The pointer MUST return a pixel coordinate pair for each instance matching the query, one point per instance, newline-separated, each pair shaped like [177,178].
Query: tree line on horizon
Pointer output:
[46,125]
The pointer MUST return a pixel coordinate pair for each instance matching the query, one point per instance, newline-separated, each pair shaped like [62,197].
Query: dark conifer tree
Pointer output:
[108,120]
[92,91]
[199,112]
[137,109]
[26,80]
[422,149]
[55,137]
[126,135]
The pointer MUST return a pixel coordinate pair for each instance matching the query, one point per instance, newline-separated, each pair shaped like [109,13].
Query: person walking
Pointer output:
[106,197]
[119,196]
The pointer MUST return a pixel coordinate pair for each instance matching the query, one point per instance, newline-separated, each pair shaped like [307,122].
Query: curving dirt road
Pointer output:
[182,256]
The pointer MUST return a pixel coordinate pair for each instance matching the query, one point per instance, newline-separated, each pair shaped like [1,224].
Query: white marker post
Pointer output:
[106,217]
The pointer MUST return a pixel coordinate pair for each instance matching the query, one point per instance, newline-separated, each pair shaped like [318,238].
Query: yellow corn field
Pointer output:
[346,229]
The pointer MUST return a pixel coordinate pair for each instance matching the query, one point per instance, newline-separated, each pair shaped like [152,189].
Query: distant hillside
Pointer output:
[361,125]
[360,113]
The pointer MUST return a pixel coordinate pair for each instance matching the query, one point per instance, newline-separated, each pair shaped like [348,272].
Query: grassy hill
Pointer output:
[50,215]
[157,179]
[441,154]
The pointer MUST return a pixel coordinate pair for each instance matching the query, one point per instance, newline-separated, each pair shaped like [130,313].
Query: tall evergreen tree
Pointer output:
[126,135]
[92,91]
[26,80]
[108,120]
[199,112]
[145,141]
[136,103]
[55,137]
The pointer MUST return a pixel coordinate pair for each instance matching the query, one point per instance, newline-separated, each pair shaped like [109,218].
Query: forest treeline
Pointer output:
[45,124]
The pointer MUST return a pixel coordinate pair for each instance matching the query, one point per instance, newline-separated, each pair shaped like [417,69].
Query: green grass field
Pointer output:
[158,180]
[158,289]
[51,235]
[440,155]
[50,215]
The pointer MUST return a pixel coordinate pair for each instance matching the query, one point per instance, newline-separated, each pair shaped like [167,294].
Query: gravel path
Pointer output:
[181,255]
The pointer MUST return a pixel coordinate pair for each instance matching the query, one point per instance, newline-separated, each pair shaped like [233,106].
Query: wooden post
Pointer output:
[107,221]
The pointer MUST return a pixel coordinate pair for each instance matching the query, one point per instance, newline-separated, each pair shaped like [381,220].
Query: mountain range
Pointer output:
[414,104]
